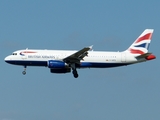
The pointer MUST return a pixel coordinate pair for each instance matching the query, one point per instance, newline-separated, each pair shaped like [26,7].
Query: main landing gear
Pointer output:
[75,73]
[24,72]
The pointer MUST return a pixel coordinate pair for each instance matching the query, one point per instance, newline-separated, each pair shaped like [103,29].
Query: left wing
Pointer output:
[77,56]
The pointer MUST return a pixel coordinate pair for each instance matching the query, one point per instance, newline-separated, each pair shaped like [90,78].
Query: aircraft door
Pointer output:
[123,57]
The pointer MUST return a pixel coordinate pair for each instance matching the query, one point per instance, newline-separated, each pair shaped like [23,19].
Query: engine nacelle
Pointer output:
[60,70]
[56,64]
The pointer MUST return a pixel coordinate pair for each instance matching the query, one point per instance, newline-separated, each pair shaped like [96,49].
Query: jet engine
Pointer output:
[60,70]
[56,64]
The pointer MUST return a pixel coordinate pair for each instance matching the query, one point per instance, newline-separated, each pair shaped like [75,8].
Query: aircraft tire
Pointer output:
[76,75]
[24,72]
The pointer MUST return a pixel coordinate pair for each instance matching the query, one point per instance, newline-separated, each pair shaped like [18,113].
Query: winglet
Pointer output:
[90,47]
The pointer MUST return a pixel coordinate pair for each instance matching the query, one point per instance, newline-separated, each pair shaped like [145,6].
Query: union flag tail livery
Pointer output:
[65,61]
[141,44]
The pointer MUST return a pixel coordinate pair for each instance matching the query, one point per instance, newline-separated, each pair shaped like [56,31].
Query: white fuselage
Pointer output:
[94,59]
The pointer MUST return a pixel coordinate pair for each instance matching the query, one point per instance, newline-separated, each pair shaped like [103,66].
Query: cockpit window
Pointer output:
[14,54]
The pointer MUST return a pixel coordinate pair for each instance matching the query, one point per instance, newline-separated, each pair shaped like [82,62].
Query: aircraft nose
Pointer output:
[7,59]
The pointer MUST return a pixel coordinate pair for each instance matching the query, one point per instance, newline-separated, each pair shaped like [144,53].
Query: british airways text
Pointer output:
[41,56]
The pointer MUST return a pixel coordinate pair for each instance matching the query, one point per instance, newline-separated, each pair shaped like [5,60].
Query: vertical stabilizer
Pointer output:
[141,44]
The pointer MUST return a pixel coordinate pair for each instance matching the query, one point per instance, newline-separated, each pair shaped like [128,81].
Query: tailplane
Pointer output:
[141,44]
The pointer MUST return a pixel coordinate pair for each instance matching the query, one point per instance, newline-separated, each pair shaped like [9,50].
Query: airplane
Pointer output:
[65,61]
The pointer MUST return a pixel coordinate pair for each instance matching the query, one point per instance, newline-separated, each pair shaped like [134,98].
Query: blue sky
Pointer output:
[125,93]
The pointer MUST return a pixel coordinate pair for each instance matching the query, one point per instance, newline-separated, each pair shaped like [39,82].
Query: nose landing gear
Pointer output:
[24,72]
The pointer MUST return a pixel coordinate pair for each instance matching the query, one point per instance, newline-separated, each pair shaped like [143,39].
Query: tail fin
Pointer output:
[141,44]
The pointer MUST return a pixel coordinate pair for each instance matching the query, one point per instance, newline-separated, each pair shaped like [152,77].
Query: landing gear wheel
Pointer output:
[24,72]
[75,74]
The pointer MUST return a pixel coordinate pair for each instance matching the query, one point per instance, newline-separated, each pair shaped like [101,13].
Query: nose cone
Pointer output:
[7,59]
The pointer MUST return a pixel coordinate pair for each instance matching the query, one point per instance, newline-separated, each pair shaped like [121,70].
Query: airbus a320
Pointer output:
[66,61]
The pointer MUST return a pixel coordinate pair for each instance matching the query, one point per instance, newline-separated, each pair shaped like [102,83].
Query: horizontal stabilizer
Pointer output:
[144,55]
[147,56]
